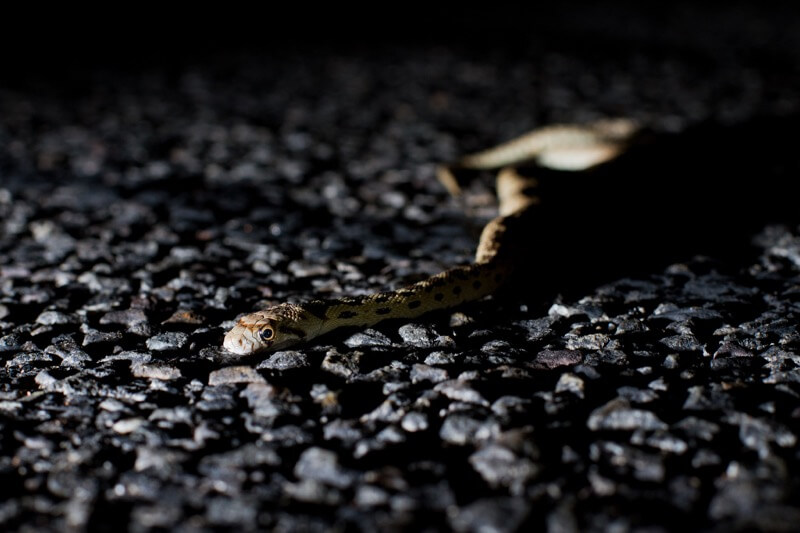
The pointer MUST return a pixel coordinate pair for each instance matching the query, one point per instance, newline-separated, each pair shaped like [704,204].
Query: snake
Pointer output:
[568,147]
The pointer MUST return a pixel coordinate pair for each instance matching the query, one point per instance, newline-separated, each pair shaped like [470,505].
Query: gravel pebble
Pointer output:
[154,371]
[417,335]
[618,415]
[368,339]
[235,374]
[286,360]
[322,465]
[171,340]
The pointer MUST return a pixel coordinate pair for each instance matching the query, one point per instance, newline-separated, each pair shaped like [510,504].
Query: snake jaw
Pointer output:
[286,324]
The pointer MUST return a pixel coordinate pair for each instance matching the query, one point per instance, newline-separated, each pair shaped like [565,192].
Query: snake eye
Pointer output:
[266,334]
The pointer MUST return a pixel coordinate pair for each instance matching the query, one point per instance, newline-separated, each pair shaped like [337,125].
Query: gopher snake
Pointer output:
[563,147]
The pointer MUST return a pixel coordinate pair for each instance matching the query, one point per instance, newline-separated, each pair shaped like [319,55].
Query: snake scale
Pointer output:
[562,147]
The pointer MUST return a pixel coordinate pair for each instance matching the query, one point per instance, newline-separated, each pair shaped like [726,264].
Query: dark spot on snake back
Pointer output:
[318,308]
[382,298]
[476,284]
[456,290]
[498,277]
[347,314]
[438,297]
[414,304]
[383,310]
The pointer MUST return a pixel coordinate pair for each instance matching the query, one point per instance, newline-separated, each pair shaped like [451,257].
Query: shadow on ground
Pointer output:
[706,191]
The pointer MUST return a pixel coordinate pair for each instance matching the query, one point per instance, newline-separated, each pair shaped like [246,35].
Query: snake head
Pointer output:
[273,329]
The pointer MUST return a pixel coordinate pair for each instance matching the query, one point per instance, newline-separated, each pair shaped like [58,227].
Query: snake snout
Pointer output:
[238,340]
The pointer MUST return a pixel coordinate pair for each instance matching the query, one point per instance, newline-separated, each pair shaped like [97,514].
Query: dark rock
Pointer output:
[440,358]
[417,335]
[286,360]
[461,430]
[368,339]
[235,374]
[427,373]
[322,465]
[618,415]
[155,371]
[344,366]
[500,467]
[556,358]
[51,318]
[171,340]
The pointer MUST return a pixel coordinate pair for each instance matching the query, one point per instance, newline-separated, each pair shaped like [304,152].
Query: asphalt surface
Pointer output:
[641,374]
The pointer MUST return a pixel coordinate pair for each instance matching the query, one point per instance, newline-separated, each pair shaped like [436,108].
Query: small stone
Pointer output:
[345,366]
[498,346]
[113,406]
[370,496]
[302,269]
[680,314]
[705,457]
[92,336]
[368,339]
[461,430]
[697,428]
[671,361]
[285,360]
[563,311]
[637,395]
[617,415]
[592,341]
[459,319]
[459,390]
[414,421]
[235,374]
[440,358]
[154,371]
[171,340]
[667,443]
[568,382]
[6,405]
[427,373]
[128,355]
[53,318]
[128,317]
[312,491]
[536,329]
[682,343]
[10,343]
[510,405]
[500,467]
[343,430]
[322,465]
[127,425]
[417,335]
[557,358]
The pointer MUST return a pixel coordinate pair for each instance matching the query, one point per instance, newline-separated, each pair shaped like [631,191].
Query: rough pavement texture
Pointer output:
[143,209]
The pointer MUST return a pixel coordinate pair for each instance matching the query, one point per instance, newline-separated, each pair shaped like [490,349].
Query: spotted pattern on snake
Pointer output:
[563,147]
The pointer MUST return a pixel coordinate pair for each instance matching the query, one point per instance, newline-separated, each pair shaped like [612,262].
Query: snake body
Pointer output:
[565,147]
